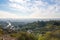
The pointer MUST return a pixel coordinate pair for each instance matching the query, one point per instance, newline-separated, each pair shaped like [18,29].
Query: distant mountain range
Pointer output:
[28,19]
[18,23]
[23,21]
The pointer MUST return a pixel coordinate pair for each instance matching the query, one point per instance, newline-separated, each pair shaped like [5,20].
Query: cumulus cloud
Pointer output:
[40,9]
[52,11]
[16,6]
[35,8]
[17,1]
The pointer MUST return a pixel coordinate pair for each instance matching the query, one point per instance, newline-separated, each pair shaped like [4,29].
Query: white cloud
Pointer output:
[19,1]
[16,6]
[4,14]
[46,10]
[50,12]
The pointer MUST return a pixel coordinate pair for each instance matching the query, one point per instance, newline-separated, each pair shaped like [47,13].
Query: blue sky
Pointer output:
[29,8]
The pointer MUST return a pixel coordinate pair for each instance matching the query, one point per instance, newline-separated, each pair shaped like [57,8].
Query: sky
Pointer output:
[29,9]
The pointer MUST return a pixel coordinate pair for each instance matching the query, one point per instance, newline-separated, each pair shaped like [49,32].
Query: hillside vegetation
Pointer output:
[39,30]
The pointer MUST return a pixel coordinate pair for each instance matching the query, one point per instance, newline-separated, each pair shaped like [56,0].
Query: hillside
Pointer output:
[38,30]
